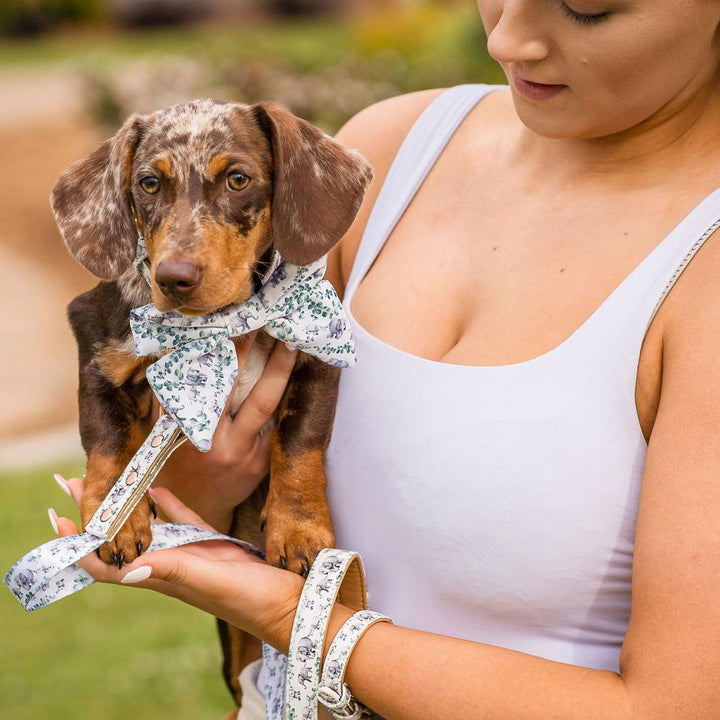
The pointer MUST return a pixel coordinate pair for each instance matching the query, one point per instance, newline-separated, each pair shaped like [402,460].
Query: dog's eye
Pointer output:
[150,184]
[237,181]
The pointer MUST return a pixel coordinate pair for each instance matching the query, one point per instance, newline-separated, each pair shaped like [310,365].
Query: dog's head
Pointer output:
[215,187]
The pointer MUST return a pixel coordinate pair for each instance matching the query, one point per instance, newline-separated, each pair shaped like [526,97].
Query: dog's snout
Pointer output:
[177,279]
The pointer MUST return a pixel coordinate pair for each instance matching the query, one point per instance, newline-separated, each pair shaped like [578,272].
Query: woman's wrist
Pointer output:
[277,629]
[340,613]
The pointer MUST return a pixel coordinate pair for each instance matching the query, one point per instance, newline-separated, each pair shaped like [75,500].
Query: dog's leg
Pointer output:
[110,443]
[240,648]
[296,515]
[113,400]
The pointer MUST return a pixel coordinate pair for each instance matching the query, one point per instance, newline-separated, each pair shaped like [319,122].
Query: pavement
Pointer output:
[43,130]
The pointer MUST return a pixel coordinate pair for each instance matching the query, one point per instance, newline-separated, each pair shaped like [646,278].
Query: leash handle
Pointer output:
[141,471]
[335,574]
[333,693]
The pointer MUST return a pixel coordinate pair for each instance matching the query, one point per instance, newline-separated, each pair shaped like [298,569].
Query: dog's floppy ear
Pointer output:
[318,184]
[91,204]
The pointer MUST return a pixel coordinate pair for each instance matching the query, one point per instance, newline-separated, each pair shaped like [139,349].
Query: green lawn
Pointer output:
[108,652]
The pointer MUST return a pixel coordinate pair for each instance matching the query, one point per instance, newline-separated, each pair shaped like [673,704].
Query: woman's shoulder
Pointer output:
[376,132]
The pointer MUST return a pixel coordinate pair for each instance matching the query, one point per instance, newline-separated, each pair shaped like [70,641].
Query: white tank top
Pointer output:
[498,503]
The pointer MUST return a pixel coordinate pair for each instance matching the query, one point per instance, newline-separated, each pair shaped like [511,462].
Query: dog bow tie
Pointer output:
[193,381]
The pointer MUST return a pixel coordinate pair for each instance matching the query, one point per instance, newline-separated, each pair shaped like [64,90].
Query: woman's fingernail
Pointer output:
[52,515]
[137,575]
[60,480]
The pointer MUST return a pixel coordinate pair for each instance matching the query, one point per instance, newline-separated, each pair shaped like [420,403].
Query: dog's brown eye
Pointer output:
[237,181]
[150,184]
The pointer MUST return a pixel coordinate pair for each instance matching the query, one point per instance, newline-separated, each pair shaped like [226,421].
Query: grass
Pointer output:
[107,652]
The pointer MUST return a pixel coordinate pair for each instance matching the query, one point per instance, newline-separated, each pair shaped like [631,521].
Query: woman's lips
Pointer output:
[535,91]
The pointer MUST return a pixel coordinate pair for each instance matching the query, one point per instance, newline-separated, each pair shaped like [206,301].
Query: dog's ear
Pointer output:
[318,184]
[91,203]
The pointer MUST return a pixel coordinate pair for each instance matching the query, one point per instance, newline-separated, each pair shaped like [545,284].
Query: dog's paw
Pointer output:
[292,543]
[133,538]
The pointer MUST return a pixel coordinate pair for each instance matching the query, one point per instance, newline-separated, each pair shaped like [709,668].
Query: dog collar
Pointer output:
[142,259]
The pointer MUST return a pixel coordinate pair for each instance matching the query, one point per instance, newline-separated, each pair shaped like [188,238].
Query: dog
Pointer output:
[215,188]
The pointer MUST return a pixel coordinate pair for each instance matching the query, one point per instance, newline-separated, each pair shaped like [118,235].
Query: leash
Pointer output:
[296,683]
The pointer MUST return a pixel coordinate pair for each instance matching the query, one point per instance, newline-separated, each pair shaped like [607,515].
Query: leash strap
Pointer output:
[50,572]
[333,693]
[35,583]
[141,471]
[321,590]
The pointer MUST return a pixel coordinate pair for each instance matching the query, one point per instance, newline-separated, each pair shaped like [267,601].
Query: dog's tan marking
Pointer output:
[225,255]
[164,165]
[157,240]
[118,365]
[101,474]
[217,165]
[296,511]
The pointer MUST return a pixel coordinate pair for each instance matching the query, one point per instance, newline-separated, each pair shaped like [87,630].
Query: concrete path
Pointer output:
[42,131]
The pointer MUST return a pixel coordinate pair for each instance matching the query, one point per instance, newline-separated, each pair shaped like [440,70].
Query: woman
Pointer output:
[508,402]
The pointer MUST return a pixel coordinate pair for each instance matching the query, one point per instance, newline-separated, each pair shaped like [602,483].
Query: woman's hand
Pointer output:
[215,576]
[214,482]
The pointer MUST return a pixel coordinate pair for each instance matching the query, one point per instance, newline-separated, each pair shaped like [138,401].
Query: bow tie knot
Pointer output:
[194,379]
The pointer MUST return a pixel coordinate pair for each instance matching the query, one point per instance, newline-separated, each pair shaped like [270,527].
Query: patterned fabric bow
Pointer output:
[193,381]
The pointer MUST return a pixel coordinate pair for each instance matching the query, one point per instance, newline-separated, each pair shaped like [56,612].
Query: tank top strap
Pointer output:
[697,227]
[418,152]
[629,311]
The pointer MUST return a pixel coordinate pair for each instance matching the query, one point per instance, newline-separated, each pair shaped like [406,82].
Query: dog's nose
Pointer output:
[177,279]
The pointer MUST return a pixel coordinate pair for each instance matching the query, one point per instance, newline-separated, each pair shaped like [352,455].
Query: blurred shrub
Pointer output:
[324,82]
[148,13]
[28,17]
[303,7]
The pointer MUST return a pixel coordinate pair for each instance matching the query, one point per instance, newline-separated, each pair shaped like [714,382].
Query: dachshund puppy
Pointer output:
[215,188]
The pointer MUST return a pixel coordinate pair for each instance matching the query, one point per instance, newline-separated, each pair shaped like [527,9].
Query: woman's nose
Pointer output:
[517,35]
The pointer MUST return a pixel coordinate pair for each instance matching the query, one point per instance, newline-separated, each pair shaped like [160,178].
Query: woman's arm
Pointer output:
[377,133]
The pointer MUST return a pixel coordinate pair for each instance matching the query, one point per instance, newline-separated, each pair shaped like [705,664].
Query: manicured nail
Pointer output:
[60,480]
[52,515]
[137,575]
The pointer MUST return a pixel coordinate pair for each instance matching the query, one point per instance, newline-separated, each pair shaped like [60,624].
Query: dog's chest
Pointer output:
[254,365]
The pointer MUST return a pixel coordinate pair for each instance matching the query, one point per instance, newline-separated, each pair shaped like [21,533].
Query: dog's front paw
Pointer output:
[294,537]
[133,538]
